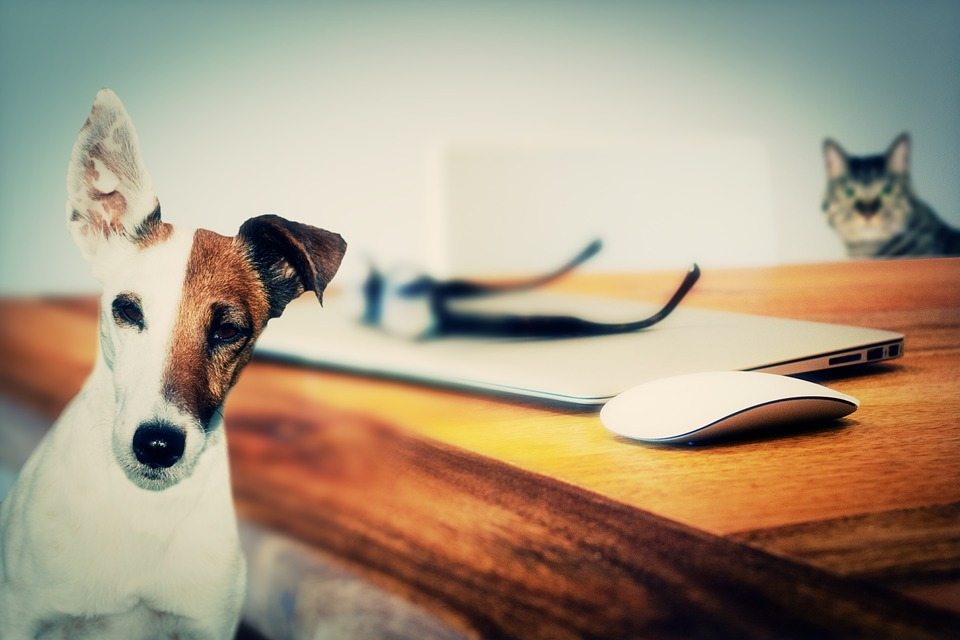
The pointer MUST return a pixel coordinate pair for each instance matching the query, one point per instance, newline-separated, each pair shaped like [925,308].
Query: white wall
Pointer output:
[663,200]
[336,113]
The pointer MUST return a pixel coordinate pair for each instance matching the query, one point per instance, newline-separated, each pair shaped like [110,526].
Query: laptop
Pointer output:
[585,371]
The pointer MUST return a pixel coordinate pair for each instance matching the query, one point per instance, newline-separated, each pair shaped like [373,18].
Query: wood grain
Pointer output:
[911,544]
[913,551]
[489,510]
[505,553]
[898,451]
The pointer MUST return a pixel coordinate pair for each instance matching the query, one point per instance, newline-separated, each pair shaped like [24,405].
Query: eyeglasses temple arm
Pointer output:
[467,289]
[688,281]
[517,326]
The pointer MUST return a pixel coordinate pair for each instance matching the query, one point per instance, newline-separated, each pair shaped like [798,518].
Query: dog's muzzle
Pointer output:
[158,445]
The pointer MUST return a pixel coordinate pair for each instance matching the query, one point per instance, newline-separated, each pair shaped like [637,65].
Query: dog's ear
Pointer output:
[291,257]
[109,192]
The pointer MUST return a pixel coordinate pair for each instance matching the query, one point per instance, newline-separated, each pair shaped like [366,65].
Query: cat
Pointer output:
[871,205]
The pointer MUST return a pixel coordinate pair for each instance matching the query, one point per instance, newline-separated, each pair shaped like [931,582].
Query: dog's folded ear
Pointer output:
[291,257]
[109,192]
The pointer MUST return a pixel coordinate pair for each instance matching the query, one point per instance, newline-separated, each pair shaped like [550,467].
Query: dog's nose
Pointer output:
[158,445]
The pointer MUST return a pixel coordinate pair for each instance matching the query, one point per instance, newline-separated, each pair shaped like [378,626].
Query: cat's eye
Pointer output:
[127,310]
[849,192]
[888,188]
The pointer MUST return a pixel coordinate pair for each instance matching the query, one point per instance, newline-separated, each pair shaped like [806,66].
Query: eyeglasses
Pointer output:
[419,306]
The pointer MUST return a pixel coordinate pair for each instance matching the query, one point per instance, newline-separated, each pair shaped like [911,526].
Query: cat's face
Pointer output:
[868,197]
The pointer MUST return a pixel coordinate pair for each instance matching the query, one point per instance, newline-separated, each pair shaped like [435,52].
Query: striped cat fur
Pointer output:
[870,202]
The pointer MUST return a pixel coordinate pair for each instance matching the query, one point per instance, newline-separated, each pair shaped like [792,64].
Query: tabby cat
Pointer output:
[871,205]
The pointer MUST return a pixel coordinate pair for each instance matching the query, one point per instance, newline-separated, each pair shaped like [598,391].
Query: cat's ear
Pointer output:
[898,155]
[835,158]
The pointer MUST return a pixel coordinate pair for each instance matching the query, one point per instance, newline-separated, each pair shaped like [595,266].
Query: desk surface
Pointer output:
[509,519]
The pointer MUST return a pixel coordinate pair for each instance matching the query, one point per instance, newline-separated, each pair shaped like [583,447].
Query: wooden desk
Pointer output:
[505,519]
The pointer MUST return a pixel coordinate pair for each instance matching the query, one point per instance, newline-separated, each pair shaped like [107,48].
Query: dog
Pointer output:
[121,524]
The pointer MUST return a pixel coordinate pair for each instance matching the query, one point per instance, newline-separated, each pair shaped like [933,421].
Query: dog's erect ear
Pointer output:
[291,257]
[109,192]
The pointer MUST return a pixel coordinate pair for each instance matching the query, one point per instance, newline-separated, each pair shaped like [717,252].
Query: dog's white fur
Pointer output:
[85,550]
[174,567]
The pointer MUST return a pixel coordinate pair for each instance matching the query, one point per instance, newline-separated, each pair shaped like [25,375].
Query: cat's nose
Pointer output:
[867,208]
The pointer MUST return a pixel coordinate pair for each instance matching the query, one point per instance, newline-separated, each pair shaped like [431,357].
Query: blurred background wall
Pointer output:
[480,136]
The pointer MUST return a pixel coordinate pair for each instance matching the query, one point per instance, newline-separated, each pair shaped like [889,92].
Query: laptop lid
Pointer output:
[580,371]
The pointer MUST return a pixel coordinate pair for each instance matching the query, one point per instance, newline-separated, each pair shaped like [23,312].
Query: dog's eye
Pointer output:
[127,311]
[226,332]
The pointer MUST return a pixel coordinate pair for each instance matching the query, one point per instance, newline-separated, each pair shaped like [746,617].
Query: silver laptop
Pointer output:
[580,371]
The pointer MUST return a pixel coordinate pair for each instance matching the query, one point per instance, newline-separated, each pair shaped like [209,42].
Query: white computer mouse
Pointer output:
[691,408]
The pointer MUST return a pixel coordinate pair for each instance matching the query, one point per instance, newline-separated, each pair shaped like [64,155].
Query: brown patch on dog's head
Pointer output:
[221,289]
[233,286]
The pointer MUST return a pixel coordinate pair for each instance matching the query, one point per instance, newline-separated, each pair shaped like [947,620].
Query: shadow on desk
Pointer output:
[294,591]
[246,632]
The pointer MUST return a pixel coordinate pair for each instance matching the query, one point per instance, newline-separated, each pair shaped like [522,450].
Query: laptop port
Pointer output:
[847,359]
[893,350]
[875,354]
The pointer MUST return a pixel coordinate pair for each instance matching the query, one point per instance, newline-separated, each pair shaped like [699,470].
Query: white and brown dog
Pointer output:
[121,524]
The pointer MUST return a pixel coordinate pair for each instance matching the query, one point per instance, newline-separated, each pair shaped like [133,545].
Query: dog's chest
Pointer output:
[135,552]
[139,622]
